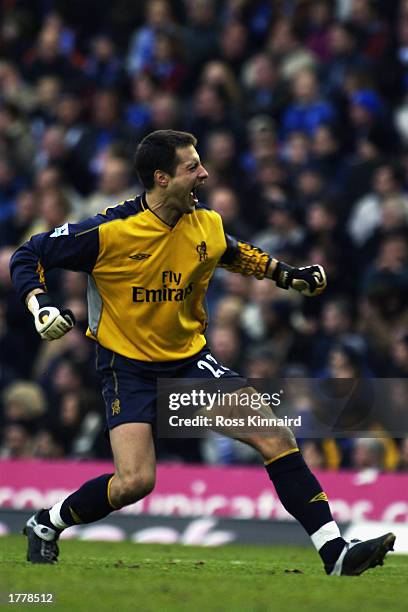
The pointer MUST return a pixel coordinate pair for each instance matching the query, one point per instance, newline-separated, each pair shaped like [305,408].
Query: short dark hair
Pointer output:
[157,151]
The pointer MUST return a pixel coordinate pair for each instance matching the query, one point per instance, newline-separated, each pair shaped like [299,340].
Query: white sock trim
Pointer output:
[55,516]
[326,533]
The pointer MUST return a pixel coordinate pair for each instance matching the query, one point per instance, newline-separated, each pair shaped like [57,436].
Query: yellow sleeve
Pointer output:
[244,258]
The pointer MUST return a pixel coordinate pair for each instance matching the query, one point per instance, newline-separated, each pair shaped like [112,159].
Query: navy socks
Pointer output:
[88,504]
[302,496]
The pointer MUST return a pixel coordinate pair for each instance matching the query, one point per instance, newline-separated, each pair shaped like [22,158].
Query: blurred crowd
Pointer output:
[300,108]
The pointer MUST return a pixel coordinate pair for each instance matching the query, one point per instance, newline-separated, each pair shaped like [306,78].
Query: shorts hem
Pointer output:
[150,422]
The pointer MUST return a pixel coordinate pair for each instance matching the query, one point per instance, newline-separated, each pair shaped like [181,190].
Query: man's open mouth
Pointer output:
[194,195]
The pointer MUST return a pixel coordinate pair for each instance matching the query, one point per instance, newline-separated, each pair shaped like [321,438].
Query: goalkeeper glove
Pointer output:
[309,280]
[50,322]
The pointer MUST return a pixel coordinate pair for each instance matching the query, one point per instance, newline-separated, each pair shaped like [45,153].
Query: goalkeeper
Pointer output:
[149,262]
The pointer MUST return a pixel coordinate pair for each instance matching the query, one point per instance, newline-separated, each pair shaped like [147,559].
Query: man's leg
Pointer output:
[133,479]
[300,492]
[303,497]
[135,463]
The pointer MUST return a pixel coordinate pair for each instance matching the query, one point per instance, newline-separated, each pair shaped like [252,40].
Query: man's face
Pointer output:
[189,174]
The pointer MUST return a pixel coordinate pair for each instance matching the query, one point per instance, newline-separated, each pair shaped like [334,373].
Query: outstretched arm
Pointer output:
[248,260]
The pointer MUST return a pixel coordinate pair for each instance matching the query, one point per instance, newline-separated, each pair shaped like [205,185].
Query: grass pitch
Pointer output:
[117,577]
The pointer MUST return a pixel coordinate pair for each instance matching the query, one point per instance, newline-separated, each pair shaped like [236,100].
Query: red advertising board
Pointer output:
[191,491]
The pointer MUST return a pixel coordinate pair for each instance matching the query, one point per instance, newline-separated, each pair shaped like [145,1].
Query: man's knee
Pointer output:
[132,487]
[270,445]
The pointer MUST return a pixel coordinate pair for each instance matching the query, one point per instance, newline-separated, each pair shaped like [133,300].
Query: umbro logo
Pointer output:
[140,256]
[319,497]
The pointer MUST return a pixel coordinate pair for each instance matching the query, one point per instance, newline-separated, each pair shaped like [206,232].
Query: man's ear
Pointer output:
[161,178]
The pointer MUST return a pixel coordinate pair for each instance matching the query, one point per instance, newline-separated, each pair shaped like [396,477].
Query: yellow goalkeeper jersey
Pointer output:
[147,280]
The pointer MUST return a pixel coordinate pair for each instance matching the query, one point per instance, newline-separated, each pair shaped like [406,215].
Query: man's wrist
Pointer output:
[37,299]
[30,294]
[270,268]
[282,274]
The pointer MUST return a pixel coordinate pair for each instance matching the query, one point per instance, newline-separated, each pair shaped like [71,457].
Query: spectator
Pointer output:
[221,159]
[262,293]
[166,113]
[307,111]
[286,49]
[54,210]
[143,91]
[225,345]
[115,185]
[233,44]
[47,91]
[283,232]
[69,112]
[24,401]
[336,328]
[105,130]
[366,214]
[219,74]
[386,280]
[103,66]
[16,134]
[309,187]
[345,57]
[16,442]
[327,158]
[313,455]
[17,225]
[264,362]
[200,33]
[167,66]
[371,31]
[44,446]
[141,47]
[297,152]
[66,36]
[225,201]
[345,361]
[14,89]
[79,424]
[46,59]
[52,178]
[368,453]
[10,185]
[403,462]
[228,312]
[53,149]
[270,181]
[264,91]
[367,114]
[359,171]
[18,340]
[319,21]
[211,112]
[263,143]
[399,357]
[14,35]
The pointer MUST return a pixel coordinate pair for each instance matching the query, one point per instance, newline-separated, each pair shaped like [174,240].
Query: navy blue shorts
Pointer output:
[129,387]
